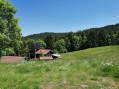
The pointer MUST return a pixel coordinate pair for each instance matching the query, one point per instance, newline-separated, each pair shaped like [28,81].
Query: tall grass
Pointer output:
[88,69]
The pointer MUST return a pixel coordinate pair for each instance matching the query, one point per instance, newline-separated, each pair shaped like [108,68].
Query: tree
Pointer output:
[10,33]
[102,38]
[117,39]
[67,46]
[4,43]
[109,40]
[75,43]
[82,41]
[112,38]
[70,41]
[41,43]
[8,51]
[60,46]
[49,40]
[29,41]
[25,50]
[92,39]
[32,46]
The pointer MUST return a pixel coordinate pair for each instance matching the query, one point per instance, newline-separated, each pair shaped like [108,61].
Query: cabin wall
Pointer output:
[49,54]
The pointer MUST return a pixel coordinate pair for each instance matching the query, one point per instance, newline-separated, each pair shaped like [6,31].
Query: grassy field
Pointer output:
[94,68]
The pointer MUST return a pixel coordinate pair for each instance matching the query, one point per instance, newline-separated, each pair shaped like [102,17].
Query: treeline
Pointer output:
[89,38]
[42,36]
[93,37]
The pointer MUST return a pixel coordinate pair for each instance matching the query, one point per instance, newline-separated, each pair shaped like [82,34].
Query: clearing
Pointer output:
[93,68]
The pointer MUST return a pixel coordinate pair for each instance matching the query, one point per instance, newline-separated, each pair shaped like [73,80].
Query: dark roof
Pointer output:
[44,51]
[11,59]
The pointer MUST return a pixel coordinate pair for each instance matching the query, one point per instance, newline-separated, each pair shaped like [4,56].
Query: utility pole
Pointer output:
[35,52]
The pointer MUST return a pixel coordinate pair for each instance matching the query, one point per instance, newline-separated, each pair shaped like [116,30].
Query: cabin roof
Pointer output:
[44,51]
[11,59]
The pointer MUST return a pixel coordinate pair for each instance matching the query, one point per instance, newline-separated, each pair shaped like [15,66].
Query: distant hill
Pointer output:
[43,35]
[108,28]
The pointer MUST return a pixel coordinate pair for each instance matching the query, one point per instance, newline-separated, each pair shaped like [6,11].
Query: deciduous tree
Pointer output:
[10,33]
[60,46]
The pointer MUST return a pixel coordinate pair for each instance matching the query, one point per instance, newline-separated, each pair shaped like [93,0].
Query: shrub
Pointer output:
[42,55]
[106,68]
[55,51]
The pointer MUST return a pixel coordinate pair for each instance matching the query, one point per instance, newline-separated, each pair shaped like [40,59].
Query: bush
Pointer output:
[106,68]
[63,51]
[42,55]
[55,51]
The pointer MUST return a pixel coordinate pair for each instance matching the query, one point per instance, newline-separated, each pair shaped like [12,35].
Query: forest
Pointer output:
[73,41]
[12,43]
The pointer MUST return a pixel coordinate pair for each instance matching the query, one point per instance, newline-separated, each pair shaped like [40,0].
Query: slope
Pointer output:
[93,68]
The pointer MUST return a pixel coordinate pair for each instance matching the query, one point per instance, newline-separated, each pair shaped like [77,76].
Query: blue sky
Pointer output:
[37,16]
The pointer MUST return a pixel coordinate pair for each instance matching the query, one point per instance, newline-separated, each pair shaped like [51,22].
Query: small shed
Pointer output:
[46,52]
[12,59]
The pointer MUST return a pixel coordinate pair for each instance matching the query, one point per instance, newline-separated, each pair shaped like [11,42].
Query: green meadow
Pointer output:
[94,68]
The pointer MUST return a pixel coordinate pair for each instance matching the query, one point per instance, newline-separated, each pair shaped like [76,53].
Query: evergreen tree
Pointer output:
[92,39]
[70,40]
[49,40]
[109,40]
[102,38]
[112,38]
[82,41]
[117,39]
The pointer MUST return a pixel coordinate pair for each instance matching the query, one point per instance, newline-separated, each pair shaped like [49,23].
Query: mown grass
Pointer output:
[93,68]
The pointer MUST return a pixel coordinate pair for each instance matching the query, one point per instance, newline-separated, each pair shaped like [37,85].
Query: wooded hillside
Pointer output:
[42,36]
[73,41]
